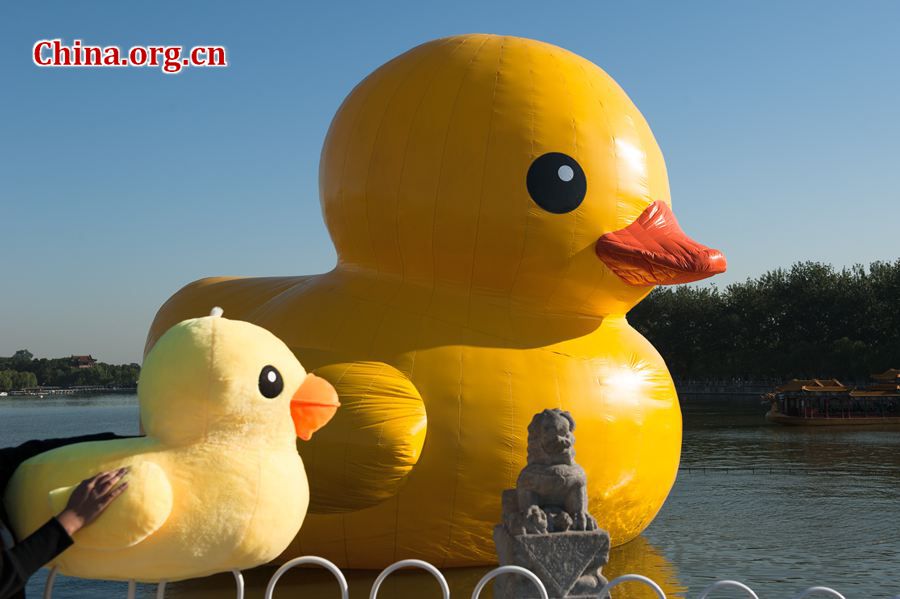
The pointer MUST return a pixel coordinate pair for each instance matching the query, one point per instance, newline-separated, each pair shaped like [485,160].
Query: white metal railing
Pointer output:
[723,584]
[632,578]
[821,590]
[411,563]
[445,588]
[308,559]
[48,586]
[161,587]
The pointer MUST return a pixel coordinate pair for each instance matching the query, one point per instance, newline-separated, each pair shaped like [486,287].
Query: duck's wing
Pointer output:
[373,442]
[132,517]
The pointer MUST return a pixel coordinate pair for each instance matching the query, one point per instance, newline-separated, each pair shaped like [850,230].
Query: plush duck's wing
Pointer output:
[132,517]
[365,453]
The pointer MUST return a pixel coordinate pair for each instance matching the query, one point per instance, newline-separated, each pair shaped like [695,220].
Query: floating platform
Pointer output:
[818,402]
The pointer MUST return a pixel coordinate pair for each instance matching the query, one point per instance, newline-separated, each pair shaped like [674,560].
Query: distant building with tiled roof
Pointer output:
[83,361]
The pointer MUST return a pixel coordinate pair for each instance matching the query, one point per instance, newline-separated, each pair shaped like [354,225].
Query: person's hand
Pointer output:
[90,498]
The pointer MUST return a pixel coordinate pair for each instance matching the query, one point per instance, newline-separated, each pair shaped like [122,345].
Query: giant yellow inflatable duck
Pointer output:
[216,484]
[497,204]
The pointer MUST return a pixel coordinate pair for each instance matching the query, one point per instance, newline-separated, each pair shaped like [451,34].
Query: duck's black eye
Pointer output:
[270,382]
[556,183]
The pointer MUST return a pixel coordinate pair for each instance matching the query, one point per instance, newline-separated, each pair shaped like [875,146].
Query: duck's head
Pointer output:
[509,167]
[212,378]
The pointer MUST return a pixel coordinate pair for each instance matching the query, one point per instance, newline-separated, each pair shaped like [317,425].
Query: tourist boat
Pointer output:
[817,402]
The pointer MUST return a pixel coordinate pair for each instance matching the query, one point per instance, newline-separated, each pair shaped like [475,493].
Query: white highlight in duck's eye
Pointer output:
[566,173]
[272,376]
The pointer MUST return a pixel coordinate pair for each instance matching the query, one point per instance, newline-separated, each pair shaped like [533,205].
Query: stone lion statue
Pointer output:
[551,491]
[546,525]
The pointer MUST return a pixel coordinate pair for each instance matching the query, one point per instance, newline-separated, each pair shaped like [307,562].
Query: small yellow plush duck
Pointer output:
[216,484]
[498,204]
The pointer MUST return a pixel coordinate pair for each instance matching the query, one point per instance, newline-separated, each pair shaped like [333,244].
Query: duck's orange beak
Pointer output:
[313,405]
[653,250]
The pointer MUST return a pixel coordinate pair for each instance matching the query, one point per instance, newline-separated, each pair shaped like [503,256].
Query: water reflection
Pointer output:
[782,508]
[320,584]
[638,556]
[641,557]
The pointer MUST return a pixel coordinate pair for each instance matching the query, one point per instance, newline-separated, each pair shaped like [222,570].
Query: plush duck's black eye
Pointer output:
[270,382]
[556,183]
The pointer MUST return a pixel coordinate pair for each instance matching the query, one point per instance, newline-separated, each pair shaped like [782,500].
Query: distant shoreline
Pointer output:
[42,392]
[735,388]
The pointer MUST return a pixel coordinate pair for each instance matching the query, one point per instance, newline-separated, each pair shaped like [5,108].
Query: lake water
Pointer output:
[778,508]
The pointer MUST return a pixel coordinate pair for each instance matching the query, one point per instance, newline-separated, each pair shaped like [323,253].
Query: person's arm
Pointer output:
[24,559]
[88,501]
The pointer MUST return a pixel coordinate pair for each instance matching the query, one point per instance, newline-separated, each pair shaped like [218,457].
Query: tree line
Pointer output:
[22,370]
[808,321]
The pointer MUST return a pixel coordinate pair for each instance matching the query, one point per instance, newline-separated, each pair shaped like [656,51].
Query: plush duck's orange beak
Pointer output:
[653,250]
[313,405]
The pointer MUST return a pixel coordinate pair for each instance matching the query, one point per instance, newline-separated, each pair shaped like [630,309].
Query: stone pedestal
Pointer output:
[568,563]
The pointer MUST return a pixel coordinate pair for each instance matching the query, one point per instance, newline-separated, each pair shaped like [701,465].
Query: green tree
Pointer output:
[24,380]
[14,380]
[810,320]
[23,356]
[23,370]
[6,380]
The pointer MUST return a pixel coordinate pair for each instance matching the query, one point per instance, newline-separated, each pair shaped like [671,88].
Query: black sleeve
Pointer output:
[24,559]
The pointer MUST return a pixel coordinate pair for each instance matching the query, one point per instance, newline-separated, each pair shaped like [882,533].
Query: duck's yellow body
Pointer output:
[469,295]
[216,484]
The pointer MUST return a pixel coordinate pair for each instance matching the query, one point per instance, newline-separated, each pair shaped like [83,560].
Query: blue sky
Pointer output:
[779,122]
